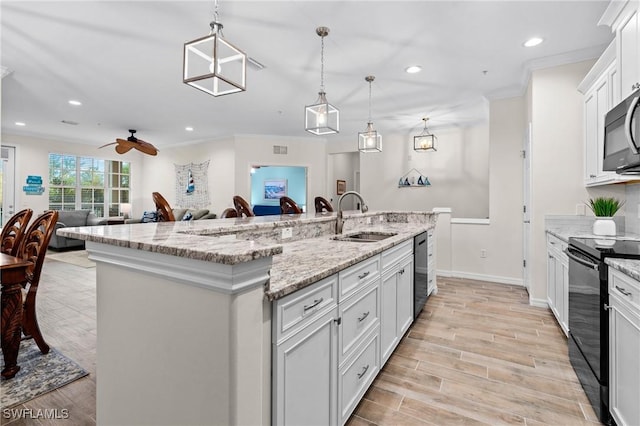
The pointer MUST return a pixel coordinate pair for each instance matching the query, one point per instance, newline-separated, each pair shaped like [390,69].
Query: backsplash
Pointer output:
[632,207]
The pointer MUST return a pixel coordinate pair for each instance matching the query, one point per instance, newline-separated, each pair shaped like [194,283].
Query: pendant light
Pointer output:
[369,140]
[214,65]
[425,141]
[321,118]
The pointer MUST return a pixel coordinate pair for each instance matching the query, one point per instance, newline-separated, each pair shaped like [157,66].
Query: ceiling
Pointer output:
[123,61]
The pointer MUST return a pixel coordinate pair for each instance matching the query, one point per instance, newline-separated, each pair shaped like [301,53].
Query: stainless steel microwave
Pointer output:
[621,134]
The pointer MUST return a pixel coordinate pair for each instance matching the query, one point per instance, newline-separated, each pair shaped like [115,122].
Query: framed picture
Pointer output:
[274,189]
[341,187]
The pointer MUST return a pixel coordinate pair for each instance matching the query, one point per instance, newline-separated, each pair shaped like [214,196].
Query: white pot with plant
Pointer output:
[604,208]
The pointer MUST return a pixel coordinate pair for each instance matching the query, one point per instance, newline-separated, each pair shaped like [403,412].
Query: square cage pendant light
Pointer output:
[214,65]
[321,118]
[369,140]
[425,141]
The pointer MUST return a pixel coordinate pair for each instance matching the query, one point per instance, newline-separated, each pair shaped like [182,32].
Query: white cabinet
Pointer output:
[628,41]
[305,351]
[327,337]
[396,312]
[624,347]
[558,281]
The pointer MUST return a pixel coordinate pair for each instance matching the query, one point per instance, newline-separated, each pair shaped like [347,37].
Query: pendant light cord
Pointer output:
[369,102]
[322,63]
[216,26]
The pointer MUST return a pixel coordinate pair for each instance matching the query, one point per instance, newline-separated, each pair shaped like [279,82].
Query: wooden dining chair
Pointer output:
[242,207]
[13,232]
[288,206]
[322,205]
[230,212]
[165,213]
[34,248]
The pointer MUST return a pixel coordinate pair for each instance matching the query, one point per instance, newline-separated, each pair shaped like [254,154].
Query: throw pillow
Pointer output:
[187,216]
[151,216]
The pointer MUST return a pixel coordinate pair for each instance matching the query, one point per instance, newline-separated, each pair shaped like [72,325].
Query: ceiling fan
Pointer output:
[125,145]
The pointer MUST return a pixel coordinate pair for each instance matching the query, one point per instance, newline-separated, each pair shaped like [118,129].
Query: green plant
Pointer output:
[604,206]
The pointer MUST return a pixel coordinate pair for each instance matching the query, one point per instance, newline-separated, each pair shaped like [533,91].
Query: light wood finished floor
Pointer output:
[478,354]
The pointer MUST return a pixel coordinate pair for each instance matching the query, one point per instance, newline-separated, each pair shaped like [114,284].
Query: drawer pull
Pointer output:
[401,271]
[364,370]
[364,316]
[313,305]
[623,291]
[364,275]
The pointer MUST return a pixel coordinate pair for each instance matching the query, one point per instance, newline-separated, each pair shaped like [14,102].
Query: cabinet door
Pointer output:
[591,137]
[603,104]
[405,296]
[305,376]
[551,281]
[388,313]
[629,55]
[562,285]
[624,367]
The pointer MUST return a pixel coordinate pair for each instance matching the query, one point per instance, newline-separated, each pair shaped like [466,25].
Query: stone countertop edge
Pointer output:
[565,235]
[630,267]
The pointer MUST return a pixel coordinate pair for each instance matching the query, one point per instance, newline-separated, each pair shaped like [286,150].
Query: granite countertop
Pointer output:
[630,267]
[313,255]
[307,261]
[565,234]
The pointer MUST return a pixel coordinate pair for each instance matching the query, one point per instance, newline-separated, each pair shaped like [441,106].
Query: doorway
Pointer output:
[7,183]
[269,183]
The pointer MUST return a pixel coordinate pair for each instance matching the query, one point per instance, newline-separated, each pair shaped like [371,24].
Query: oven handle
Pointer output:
[581,261]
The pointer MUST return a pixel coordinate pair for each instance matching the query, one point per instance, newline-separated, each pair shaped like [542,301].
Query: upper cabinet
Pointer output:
[613,77]
[628,43]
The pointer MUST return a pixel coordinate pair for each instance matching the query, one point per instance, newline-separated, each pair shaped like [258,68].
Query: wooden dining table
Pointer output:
[13,276]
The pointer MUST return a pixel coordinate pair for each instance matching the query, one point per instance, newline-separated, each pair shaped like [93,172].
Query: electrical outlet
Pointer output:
[483,253]
[581,209]
[287,233]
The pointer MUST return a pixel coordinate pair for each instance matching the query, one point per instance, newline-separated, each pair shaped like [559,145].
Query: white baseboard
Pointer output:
[481,277]
[540,303]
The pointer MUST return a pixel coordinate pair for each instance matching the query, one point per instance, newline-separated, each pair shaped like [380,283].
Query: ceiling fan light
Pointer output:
[214,65]
[321,118]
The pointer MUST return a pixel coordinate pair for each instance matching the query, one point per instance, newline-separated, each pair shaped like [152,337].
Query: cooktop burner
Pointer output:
[608,247]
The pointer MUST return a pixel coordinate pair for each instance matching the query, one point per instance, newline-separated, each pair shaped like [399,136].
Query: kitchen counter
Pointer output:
[190,304]
[630,267]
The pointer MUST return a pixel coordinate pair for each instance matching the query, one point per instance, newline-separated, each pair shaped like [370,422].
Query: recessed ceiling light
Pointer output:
[189,129]
[20,123]
[534,41]
[74,102]
[413,69]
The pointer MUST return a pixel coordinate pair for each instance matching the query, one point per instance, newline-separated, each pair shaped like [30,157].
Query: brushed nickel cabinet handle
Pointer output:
[623,291]
[364,316]
[363,275]
[313,305]
[364,370]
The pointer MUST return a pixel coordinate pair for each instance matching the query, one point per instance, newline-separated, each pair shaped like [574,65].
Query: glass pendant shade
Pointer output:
[321,118]
[214,65]
[369,140]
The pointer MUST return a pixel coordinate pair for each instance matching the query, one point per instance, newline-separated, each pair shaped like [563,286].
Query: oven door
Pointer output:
[585,304]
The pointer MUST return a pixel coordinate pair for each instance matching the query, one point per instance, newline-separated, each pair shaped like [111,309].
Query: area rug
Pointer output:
[76,257]
[38,374]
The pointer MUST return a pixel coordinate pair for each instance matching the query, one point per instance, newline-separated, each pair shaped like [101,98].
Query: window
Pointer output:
[88,183]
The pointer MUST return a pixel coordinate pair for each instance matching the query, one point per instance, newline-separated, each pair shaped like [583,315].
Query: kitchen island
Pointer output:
[185,308]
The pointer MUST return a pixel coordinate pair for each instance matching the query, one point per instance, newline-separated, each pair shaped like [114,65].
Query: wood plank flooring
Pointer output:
[478,354]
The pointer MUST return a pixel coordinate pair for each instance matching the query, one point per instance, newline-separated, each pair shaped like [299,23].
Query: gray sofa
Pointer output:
[183,214]
[71,218]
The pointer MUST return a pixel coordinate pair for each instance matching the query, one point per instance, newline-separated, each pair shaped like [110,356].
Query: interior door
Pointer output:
[526,214]
[7,177]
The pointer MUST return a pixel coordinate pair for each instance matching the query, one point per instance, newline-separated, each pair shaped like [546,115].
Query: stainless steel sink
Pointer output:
[365,237]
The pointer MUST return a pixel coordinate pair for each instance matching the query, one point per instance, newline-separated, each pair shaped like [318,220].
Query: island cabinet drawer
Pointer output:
[357,276]
[298,309]
[556,243]
[626,288]
[359,314]
[357,374]
[394,254]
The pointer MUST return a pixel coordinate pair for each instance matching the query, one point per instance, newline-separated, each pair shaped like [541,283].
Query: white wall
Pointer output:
[32,158]
[458,172]
[501,239]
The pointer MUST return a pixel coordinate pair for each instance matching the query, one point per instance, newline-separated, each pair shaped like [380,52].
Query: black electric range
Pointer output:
[588,314]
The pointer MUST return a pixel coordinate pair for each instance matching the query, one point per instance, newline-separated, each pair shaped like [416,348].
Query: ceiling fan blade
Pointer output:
[123,148]
[112,143]
[146,147]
